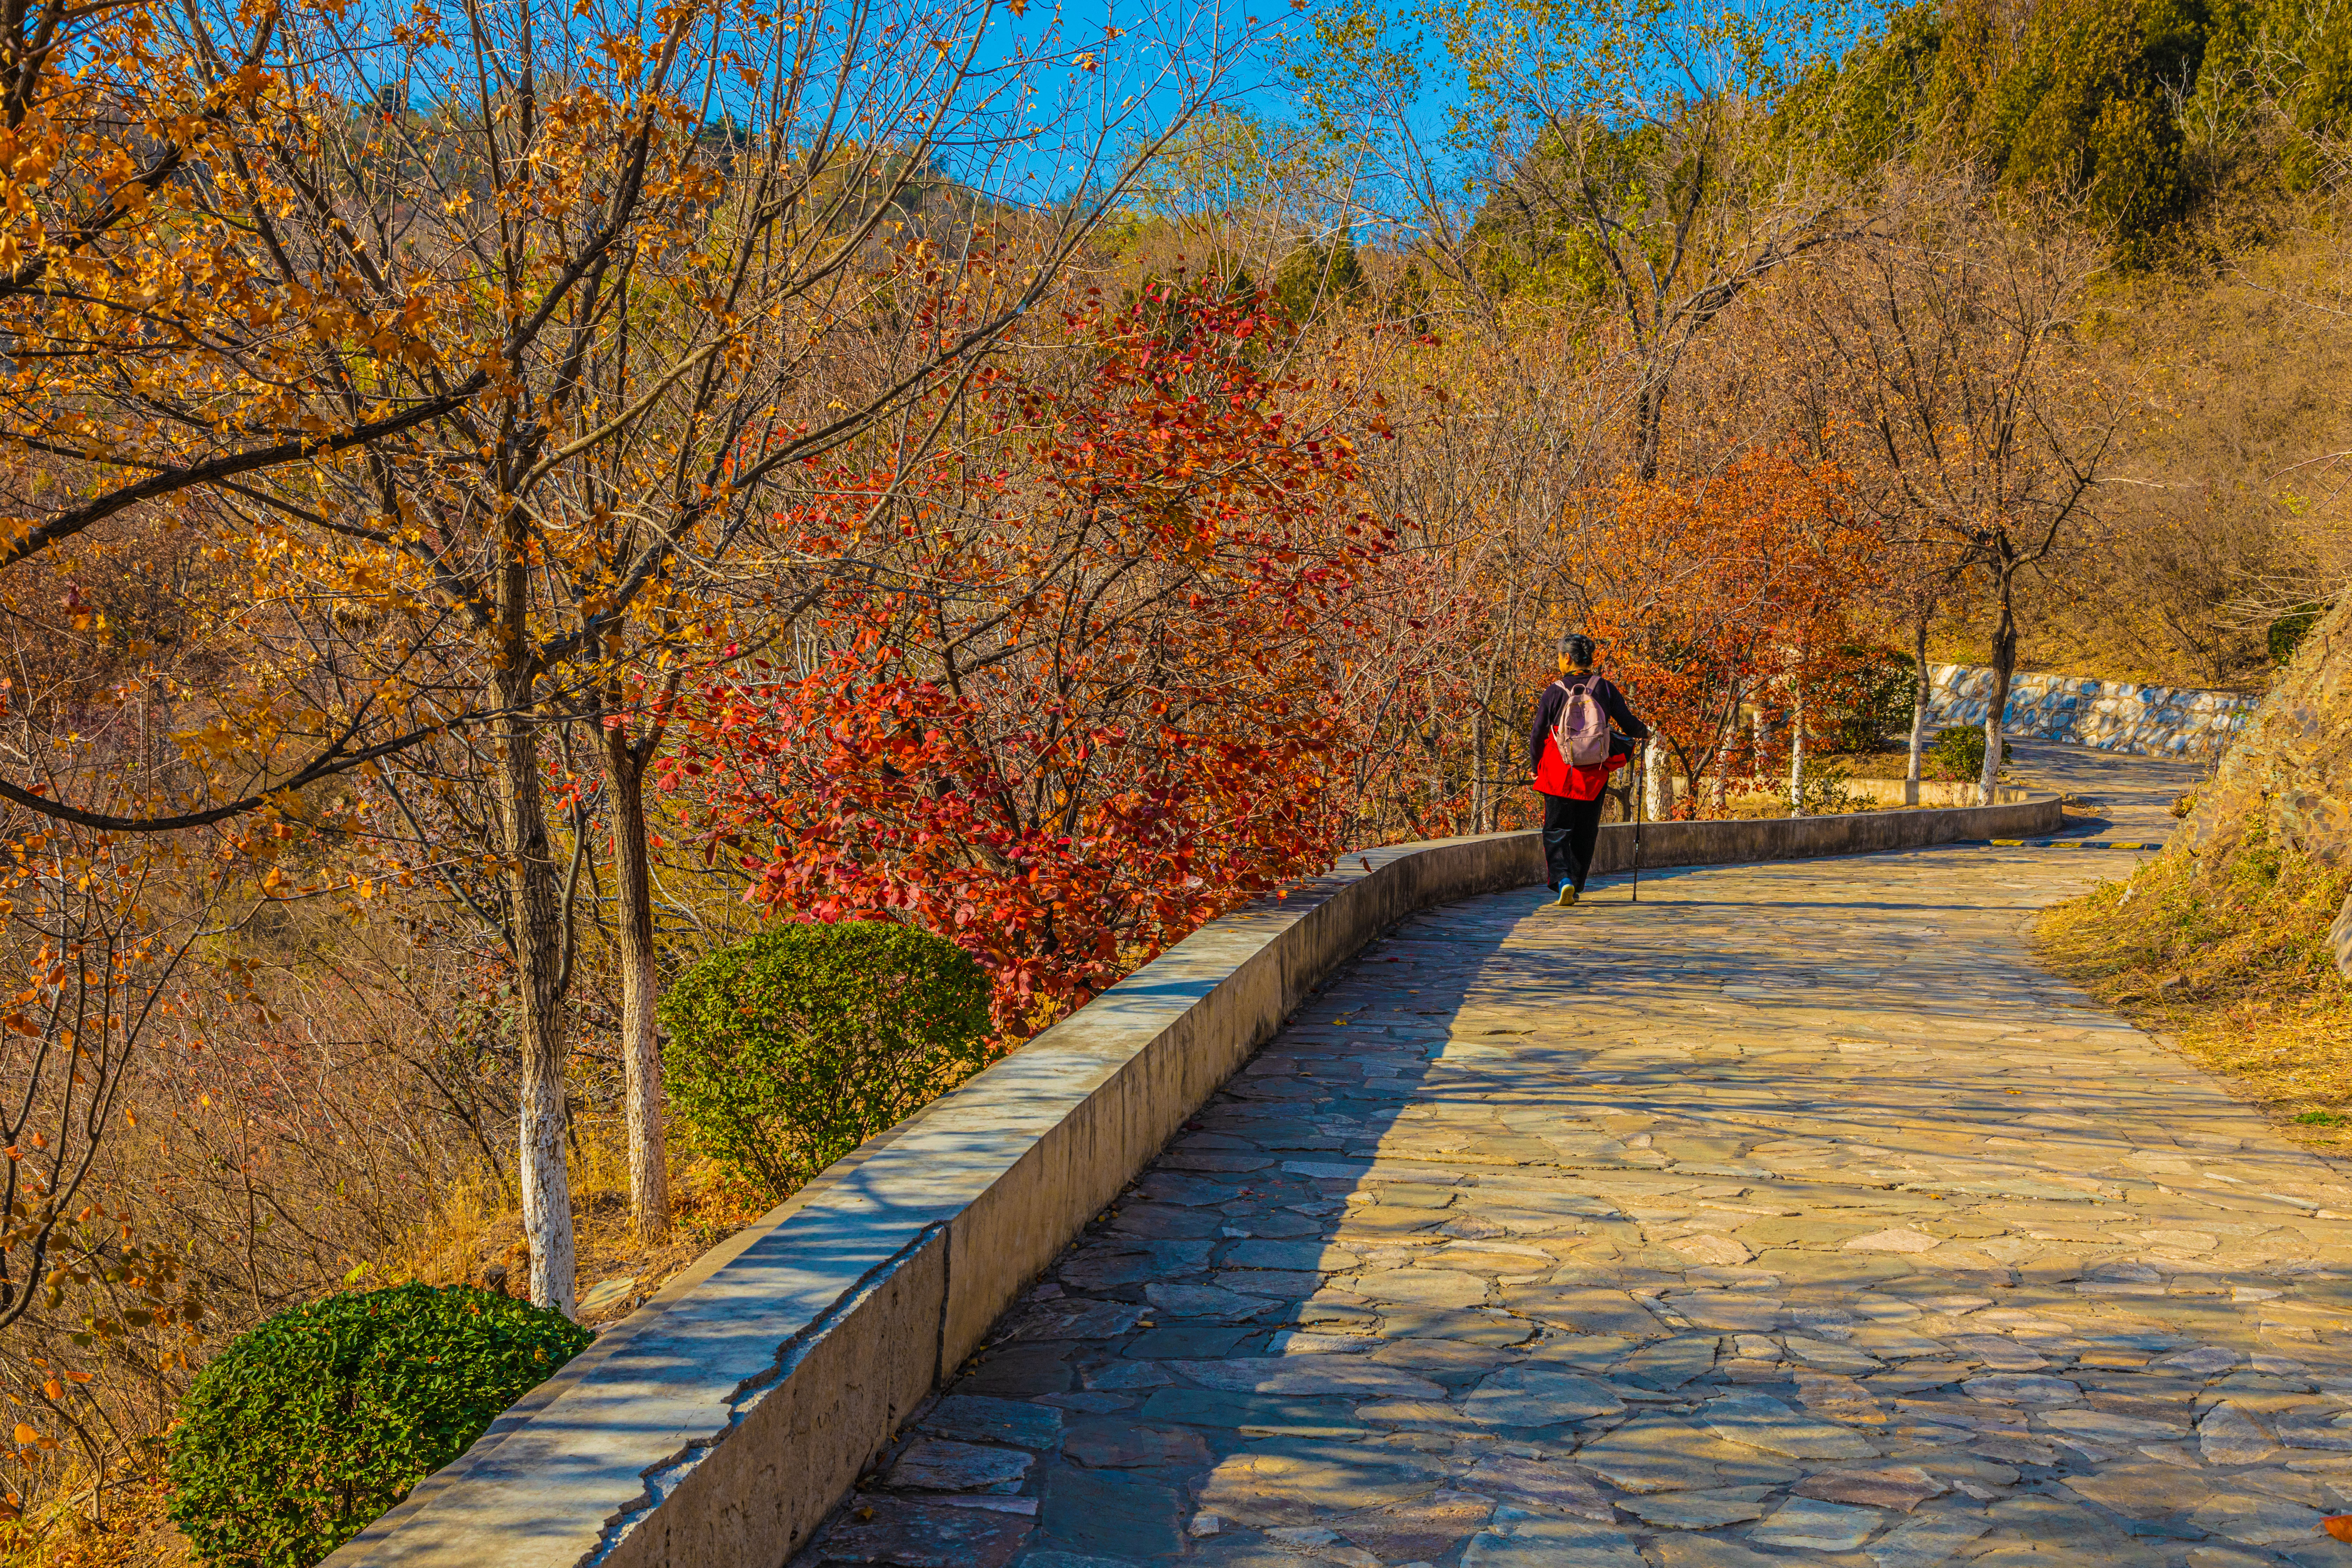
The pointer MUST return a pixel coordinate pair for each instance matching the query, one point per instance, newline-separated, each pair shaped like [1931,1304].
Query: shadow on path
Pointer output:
[1789,1215]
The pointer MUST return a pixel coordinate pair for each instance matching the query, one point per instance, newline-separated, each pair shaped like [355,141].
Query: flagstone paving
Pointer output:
[1789,1215]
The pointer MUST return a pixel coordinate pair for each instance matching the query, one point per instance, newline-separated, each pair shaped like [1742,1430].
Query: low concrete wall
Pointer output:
[1889,792]
[721,1422]
[1801,838]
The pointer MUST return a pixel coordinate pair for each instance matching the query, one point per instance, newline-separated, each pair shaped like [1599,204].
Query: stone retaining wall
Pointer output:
[721,1422]
[2110,715]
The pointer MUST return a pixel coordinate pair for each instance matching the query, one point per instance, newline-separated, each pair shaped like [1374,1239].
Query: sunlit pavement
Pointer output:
[1791,1215]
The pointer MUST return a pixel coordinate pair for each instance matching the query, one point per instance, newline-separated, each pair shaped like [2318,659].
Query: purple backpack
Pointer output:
[1582,733]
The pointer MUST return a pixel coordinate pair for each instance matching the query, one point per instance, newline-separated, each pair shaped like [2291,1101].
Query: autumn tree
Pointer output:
[1706,593]
[1074,709]
[1623,154]
[1970,403]
[1477,440]
[462,367]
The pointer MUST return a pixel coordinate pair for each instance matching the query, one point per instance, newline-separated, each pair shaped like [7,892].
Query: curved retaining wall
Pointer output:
[1794,839]
[721,1422]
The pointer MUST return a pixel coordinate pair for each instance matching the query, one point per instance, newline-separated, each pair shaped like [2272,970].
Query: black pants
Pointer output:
[1571,828]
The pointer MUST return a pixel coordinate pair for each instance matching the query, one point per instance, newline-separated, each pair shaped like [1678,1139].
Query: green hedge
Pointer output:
[1960,752]
[307,1429]
[789,1051]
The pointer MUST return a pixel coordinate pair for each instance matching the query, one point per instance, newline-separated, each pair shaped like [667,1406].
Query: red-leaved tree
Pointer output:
[1063,697]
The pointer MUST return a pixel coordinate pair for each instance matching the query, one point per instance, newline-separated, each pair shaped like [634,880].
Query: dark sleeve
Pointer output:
[1613,702]
[1547,707]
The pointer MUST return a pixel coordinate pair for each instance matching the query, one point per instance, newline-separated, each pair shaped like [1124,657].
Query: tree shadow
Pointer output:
[1571,1308]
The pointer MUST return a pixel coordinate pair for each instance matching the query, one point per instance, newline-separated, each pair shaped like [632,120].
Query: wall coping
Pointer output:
[723,1419]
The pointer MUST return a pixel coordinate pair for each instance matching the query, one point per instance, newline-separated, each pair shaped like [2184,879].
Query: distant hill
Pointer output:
[2152,114]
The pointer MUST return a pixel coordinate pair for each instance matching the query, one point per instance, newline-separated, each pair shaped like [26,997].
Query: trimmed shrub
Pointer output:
[307,1429]
[789,1051]
[1961,750]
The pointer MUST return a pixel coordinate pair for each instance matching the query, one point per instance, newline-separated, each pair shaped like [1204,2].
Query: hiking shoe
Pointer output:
[1567,895]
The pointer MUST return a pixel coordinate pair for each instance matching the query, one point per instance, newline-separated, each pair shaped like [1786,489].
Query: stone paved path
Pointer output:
[1790,1216]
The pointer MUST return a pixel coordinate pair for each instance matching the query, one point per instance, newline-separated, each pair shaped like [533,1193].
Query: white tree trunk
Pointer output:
[1990,782]
[1918,717]
[624,767]
[1797,750]
[536,914]
[1657,783]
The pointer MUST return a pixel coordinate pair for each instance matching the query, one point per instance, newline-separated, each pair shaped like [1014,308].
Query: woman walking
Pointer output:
[1583,731]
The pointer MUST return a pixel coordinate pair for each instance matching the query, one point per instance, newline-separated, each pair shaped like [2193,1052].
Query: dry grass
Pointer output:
[2227,958]
[477,1237]
[1754,798]
[474,1235]
[133,1534]
[1890,762]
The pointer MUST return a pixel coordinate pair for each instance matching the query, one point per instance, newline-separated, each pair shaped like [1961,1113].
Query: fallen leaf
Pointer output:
[2338,1525]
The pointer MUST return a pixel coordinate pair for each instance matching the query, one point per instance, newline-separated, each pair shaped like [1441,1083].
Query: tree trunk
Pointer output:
[1796,750]
[1482,819]
[624,777]
[2004,666]
[1441,790]
[1649,425]
[536,922]
[1657,783]
[1918,713]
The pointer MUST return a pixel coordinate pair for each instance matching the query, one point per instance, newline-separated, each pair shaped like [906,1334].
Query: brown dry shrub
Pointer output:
[281,1133]
[333,1108]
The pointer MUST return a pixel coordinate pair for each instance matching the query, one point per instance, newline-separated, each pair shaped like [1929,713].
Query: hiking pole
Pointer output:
[1641,788]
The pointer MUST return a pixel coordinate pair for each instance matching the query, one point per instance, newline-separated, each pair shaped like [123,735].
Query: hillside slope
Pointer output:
[2223,943]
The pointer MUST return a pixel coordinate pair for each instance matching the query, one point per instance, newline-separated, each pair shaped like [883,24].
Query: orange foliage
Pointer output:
[1708,593]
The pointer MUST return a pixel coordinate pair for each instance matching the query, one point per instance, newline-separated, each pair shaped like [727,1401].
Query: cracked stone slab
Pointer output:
[1699,1509]
[1760,1421]
[1522,1540]
[908,1535]
[941,1466]
[1539,1396]
[1818,1526]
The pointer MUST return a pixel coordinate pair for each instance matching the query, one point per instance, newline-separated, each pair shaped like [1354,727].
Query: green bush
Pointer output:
[1961,750]
[2139,110]
[1871,698]
[1317,275]
[305,1429]
[2288,632]
[1825,791]
[791,1050]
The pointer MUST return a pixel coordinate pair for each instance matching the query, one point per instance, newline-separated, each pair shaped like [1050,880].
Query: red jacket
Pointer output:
[1553,775]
